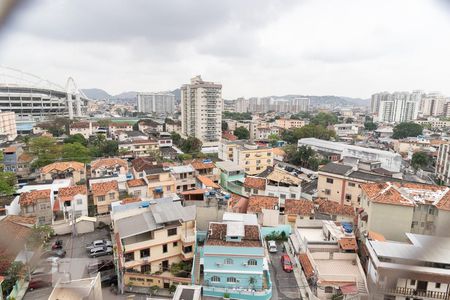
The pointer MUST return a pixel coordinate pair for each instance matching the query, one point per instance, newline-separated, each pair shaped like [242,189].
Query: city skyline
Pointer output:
[276,48]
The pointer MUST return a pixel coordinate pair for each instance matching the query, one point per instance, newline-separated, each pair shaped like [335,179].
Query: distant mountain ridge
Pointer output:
[333,101]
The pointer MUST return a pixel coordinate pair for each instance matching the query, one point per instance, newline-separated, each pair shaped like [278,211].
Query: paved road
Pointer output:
[284,284]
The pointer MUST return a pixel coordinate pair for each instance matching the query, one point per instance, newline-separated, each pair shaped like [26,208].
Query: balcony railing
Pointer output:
[413,292]
[187,235]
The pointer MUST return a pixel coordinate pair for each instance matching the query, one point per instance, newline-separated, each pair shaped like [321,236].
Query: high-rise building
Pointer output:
[398,107]
[253,105]
[242,105]
[375,101]
[299,105]
[432,104]
[160,103]
[201,111]
[265,104]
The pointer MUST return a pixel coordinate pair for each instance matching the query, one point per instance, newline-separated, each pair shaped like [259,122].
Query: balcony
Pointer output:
[401,291]
[187,235]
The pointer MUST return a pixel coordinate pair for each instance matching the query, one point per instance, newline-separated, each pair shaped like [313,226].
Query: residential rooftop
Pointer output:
[218,232]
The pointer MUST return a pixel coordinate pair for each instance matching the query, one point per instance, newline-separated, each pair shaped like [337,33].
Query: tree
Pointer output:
[406,129]
[12,275]
[76,152]
[370,126]
[100,146]
[237,116]
[242,133]
[324,119]
[224,126]
[8,182]
[349,121]
[420,160]
[104,122]
[191,145]
[315,131]
[76,138]
[301,115]
[273,139]
[45,149]
[176,138]
[40,234]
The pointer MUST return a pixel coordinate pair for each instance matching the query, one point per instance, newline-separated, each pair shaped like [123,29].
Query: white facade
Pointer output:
[201,111]
[8,125]
[398,107]
[347,129]
[433,104]
[442,170]
[299,104]
[160,103]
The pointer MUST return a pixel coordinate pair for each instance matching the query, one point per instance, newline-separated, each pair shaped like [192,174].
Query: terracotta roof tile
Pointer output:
[62,166]
[194,192]
[22,220]
[306,265]
[300,207]
[278,151]
[83,125]
[143,163]
[25,158]
[229,136]
[101,188]
[257,203]
[348,244]
[30,198]
[238,204]
[10,149]
[108,163]
[136,182]
[130,200]
[67,193]
[255,183]
[375,236]
[200,165]
[217,236]
[207,182]
[334,208]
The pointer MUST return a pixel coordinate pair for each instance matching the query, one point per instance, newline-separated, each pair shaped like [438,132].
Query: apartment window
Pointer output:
[258,168]
[231,280]
[172,231]
[112,196]
[248,190]
[348,197]
[351,184]
[255,191]
[168,188]
[293,196]
[42,206]
[187,249]
[437,285]
[41,220]
[247,155]
[247,169]
[330,180]
[175,244]
[252,262]
[145,253]
[422,224]
[101,198]
[164,248]
[128,256]
[412,282]
[269,154]
[258,161]
[215,279]
[327,192]
[228,261]
[328,289]
[79,201]
[146,268]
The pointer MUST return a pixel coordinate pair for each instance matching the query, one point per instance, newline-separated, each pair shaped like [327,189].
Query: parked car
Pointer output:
[58,244]
[54,253]
[98,266]
[101,251]
[37,283]
[272,246]
[99,243]
[286,263]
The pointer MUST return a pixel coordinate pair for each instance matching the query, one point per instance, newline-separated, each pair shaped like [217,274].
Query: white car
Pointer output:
[272,246]
[99,243]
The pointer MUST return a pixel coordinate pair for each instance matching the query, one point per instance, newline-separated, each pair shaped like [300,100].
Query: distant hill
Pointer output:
[96,94]
[126,95]
[177,93]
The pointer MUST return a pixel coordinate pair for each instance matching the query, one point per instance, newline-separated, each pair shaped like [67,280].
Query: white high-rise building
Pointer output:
[398,107]
[201,111]
[242,105]
[299,105]
[432,104]
[160,103]
[375,101]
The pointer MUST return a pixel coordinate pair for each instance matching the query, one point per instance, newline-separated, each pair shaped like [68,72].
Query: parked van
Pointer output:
[272,246]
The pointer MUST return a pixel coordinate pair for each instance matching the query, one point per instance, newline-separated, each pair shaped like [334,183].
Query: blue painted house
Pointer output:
[234,261]
[232,177]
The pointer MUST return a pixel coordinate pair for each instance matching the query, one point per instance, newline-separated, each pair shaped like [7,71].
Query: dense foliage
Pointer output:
[405,129]
[237,116]
[242,133]
[292,136]
[370,126]
[324,119]
[8,182]
[420,160]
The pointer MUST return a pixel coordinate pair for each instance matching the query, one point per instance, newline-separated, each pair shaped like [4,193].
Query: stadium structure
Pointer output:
[32,98]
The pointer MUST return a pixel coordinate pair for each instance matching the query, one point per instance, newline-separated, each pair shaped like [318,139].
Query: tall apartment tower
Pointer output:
[432,104]
[398,107]
[201,111]
[242,105]
[375,101]
[160,103]
[299,105]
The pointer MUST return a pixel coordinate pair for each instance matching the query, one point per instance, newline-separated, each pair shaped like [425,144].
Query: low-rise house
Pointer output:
[61,170]
[137,188]
[172,125]
[343,130]
[138,148]
[104,193]
[206,168]
[232,177]
[160,182]
[130,136]
[298,209]
[416,269]
[114,127]
[165,140]
[257,203]
[150,126]
[264,133]
[17,161]
[282,184]
[150,240]
[393,208]
[410,145]
[108,167]
[138,165]
[72,202]
[85,128]
[279,154]
[234,261]
[88,288]
[289,123]
[37,204]
[331,210]
[254,186]
[184,177]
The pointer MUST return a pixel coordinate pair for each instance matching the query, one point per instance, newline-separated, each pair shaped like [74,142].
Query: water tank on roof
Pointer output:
[227,196]
[145,204]
[207,161]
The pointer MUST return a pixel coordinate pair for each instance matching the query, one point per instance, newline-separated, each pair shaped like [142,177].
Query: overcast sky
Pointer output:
[253,47]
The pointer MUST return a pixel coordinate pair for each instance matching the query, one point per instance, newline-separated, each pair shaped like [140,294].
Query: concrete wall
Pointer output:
[442,223]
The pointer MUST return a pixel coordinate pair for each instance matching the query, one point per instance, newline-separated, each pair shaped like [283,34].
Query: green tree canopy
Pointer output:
[176,138]
[45,149]
[8,182]
[242,133]
[301,115]
[76,152]
[406,129]
[370,126]
[324,119]
[104,122]
[315,131]
[76,138]
[420,160]
[191,145]
[236,116]
[224,126]
[100,146]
